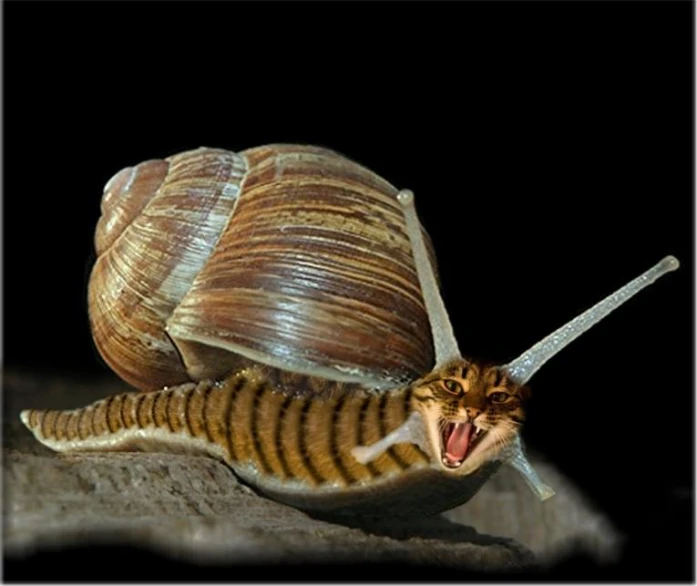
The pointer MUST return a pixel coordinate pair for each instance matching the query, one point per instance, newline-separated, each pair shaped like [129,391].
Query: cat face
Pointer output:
[471,412]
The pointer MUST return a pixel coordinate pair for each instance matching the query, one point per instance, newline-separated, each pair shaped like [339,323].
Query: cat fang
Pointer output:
[458,440]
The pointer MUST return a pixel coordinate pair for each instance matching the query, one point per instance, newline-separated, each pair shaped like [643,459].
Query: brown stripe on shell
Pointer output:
[294,196]
[126,286]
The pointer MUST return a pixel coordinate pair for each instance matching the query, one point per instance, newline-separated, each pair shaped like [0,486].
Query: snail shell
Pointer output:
[290,256]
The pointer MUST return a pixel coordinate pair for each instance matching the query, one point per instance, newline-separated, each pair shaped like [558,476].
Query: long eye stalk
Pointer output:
[444,341]
[522,368]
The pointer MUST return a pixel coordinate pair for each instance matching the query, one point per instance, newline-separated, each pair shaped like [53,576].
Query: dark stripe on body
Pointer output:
[107,411]
[43,424]
[204,421]
[139,402]
[185,407]
[55,423]
[123,417]
[383,432]
[79,423]
[361,435]
[91,422]
[302,440]
[280,452]
[73,418]
[152,410]
[333,441]
[254,425]
[407,401]
[168,410]
[59,427]
[232,399]
[408,394]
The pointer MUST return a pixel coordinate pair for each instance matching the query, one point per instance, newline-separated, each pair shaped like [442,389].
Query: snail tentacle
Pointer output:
[527,364]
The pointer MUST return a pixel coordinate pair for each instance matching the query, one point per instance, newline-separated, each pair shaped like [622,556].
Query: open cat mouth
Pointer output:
[457,442]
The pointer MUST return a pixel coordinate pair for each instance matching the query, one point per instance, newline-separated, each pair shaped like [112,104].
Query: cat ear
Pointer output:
[522,368]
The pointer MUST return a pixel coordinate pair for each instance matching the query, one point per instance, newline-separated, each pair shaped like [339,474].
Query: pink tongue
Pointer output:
[458,442]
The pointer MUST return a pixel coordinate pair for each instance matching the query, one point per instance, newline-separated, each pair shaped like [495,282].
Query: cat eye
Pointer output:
[452,386]
[499,397]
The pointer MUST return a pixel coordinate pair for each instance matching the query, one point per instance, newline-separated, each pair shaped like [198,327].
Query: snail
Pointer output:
[278,309]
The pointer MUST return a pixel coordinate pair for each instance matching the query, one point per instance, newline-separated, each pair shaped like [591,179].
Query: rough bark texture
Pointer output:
[193,509]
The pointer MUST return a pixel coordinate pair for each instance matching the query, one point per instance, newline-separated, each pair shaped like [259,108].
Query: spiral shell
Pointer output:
[291,256]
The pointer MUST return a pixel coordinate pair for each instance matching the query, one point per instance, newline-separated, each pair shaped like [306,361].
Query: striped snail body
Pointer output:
[283,299]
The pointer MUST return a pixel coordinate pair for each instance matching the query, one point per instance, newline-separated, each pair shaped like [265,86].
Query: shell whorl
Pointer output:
[291,256]
[125,196]
[143,270]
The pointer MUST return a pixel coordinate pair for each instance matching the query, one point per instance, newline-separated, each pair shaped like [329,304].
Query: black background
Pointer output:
[549,145]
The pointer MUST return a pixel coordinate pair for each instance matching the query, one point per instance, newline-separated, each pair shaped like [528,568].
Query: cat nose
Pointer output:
[472,412]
